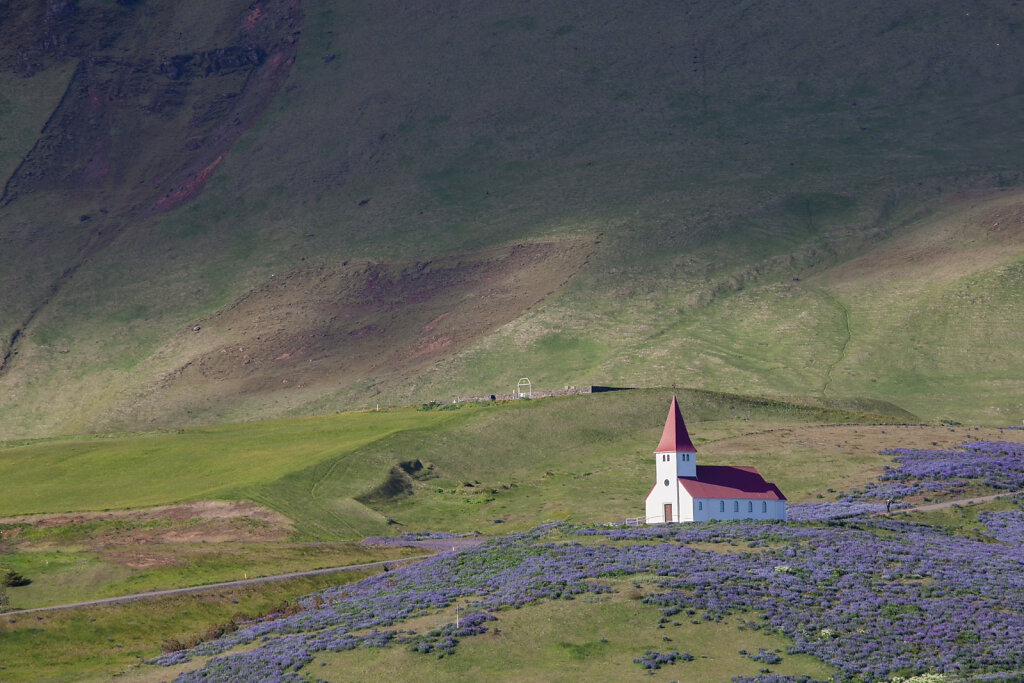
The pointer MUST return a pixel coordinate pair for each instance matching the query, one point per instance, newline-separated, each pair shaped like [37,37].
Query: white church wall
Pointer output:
[663,494]
[701,510]
[738,508]
[686,506]
[687,509]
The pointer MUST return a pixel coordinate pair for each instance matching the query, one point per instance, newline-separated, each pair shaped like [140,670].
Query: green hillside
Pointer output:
[393,202]
[525,461]
[104,515]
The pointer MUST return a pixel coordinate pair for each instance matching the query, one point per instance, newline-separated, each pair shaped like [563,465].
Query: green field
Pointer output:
[122,471]
[97,643]
[321,472]
[70,572]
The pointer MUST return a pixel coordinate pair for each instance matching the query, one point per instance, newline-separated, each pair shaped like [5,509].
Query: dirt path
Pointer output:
[434,544]
[950,503]
[213,586]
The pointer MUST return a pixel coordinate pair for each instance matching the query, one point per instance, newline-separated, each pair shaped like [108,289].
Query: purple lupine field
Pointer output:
[994,465]
[871,596]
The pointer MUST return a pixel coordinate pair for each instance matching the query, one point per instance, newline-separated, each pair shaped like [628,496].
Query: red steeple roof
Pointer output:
[675,437]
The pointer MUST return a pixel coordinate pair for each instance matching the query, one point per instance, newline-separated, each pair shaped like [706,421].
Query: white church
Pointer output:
[687,492]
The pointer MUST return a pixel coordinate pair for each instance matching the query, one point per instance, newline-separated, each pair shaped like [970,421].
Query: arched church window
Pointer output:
[750,506]
[764,506]
[722,506]
[735,506]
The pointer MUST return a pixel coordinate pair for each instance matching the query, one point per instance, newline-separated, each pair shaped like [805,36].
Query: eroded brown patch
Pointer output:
[974,231]
[199,520]
[138,560]
[334,324]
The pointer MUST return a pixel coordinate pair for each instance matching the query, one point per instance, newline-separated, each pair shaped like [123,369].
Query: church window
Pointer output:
[750,506]
[666,482]
[764,506]
[722,506]
[700,505]
[735,506]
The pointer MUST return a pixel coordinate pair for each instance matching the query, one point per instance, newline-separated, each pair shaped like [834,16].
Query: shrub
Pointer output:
[9,577]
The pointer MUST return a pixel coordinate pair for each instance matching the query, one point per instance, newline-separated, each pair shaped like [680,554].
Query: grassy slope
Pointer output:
[24,107]
[721,151]
[69,573]
[918,318]
[93,644]
[587,456]
[123,471]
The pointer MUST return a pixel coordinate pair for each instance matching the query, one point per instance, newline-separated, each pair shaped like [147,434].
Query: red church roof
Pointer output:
[675,437]
[723,481]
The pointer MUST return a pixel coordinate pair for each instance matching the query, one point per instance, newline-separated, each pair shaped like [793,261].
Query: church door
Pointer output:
[668,512]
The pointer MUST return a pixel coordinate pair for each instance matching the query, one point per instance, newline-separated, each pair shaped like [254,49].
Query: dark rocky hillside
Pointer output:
[773,197]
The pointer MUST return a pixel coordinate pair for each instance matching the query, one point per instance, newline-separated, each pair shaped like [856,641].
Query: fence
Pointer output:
[567,391]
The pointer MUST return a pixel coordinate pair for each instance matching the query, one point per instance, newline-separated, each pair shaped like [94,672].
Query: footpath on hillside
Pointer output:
[950,503]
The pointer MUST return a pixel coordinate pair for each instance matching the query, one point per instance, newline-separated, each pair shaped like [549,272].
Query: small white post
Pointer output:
[456,616]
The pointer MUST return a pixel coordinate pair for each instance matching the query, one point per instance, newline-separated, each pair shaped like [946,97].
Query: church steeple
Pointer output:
[675,436]
[676,456]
